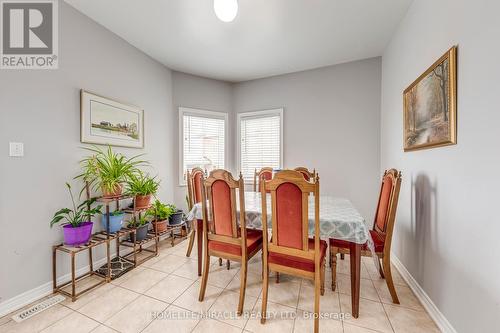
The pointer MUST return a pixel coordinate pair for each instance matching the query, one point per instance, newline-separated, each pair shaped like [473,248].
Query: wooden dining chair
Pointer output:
[260,176]
[225,239]
[194,184]
[308,175]
[290,250]
[381,233]
[194,196]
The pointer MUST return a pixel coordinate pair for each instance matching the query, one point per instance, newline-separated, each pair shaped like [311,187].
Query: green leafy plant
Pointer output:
[140,183]
[116,213]
[139,222]
[78,214]
[160,211]
[106,170]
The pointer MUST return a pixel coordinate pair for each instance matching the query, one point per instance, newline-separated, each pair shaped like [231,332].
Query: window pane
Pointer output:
[203,144]
[260,144]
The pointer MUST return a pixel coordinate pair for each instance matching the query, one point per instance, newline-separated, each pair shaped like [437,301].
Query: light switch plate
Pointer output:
[16,149]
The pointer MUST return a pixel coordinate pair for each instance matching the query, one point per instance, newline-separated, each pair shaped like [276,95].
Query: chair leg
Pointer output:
[243,286]
[330,257]
[317,289]
[265,287]
[228,264]
[192,236]
[323,278]
[388,279]
[277,277]
[220,261]
[204,278]
[380,270]
[334,269]
[262,260]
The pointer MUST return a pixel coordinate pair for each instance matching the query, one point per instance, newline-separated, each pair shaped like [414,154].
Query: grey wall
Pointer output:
[199,93]
[331,123]
[447,225]
[42,109]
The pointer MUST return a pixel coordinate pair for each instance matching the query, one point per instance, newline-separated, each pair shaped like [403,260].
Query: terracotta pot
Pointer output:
[113,194]
[142,201]
[160,226]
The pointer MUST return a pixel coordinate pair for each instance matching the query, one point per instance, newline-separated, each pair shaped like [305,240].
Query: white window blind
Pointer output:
[260,141]
[203,140]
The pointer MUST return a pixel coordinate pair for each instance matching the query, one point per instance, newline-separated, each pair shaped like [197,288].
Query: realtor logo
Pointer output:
[29,34]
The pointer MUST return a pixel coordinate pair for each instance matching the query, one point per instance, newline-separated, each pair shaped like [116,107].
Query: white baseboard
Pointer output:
[35,294]
[442,323]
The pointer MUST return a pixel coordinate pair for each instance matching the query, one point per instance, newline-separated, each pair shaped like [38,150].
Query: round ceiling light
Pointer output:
[226,10]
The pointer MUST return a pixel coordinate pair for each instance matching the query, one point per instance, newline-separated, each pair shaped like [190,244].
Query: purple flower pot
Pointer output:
[79,235]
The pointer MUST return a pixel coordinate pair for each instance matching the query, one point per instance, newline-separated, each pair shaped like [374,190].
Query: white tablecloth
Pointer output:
[338,217]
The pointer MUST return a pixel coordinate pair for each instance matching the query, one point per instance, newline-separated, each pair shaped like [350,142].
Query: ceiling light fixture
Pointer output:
[226,10]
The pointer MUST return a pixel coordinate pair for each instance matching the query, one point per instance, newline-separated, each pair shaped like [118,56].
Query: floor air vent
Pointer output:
[37,308]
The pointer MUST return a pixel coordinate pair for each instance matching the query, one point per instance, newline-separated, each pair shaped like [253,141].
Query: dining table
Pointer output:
[339,219]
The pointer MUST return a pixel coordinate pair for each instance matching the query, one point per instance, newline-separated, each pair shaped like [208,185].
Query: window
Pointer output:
[261,136]
[202,140]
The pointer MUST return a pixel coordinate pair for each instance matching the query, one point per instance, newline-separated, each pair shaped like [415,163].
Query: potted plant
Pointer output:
[141,229]
[176,217]
[115,221]
[142,187]
[106,170]
[78,227]
[160,214]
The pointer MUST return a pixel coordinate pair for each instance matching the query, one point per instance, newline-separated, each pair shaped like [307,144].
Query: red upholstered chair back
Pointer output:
[194,186]
[290,211]
[387,203]
[261,176]
[220,190]
[308,175]
[197,187]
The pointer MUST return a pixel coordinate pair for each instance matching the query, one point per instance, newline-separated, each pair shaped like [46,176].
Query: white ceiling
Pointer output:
[268,37]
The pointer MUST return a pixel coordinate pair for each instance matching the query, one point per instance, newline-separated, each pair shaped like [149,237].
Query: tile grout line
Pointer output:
[297,306]
[223,290]
[123,307]
[69,314]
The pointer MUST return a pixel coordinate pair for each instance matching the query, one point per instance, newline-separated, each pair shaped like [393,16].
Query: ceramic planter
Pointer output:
[80,235]
[142,201]
[160,226]
[115,222]
[140,234]
[175,218]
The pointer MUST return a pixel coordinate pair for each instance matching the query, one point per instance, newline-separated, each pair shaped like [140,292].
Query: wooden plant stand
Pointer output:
[122,263]
[72,252]
[173,232]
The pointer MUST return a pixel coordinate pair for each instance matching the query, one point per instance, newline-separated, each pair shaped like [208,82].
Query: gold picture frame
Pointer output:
[106,121]
[430,106]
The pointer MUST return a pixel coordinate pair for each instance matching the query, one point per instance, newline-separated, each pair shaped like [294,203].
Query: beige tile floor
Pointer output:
[162,296]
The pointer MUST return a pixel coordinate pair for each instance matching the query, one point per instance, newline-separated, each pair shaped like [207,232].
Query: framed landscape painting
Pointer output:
[108,122]
[430,106]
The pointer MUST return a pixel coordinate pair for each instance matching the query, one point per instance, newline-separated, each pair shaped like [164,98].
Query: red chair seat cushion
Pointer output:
[254,240]
[297,262]
[378,242]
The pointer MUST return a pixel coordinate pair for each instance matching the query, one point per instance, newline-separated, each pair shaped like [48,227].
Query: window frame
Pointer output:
[202,114]
[258,114]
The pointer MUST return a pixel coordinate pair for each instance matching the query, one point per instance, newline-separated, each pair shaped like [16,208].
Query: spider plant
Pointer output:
[106,170]
[78,214]
[139,183]
[139,222]
[160,211]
